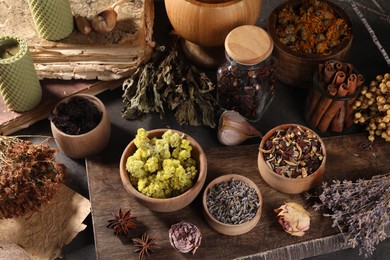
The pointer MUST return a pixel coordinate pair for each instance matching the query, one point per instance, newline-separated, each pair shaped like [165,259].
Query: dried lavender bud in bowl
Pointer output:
[185,237]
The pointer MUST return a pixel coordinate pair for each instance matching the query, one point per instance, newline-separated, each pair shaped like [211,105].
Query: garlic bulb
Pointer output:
[234,129]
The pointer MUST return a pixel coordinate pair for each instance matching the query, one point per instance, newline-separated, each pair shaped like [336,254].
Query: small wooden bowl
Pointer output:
[231,229]
[295,68]
[285,184]
[168,204]
[87,144]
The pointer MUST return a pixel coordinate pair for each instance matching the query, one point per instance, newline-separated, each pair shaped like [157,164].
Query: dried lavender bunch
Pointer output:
[360,209]
[29,176]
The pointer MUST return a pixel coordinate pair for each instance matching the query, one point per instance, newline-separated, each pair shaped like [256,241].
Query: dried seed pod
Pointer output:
[83,24]
[234,129]
[105,21]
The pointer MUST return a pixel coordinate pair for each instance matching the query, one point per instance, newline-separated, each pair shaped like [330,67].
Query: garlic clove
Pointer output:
[234,129]
[105,21]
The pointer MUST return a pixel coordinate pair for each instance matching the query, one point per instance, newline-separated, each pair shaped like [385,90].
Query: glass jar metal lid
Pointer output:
[248,44]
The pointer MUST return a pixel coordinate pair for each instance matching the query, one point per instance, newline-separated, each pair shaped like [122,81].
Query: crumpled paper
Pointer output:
[43,234]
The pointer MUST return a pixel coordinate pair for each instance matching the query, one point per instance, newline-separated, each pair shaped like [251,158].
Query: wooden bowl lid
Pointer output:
[248,44]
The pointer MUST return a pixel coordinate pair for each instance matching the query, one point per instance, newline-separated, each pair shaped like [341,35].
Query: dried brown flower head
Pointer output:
[122,222]
[30,176]
[145,245]
[185,237]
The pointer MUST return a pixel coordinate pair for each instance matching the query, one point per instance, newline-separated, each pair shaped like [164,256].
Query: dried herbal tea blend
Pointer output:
[77,116]
[169,82]
[232,202]
[29,176]
[312,28]
[293,152]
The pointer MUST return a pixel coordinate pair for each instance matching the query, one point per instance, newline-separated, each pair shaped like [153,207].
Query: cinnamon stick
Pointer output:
[335,105]
[337,124]
[339,77]
[329,72]
[322,105]
[352,84]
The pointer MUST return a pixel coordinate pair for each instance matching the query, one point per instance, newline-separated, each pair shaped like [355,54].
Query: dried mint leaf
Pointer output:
[169,82]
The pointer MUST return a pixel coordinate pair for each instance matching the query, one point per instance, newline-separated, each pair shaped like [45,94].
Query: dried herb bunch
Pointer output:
[122,222]
[312,27]
[360,209]
[169,82]
[30,176]
[145,245]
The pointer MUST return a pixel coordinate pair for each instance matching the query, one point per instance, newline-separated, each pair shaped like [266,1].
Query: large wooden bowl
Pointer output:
[207,23]
[204,24]
[295,68]
[286,184]
[232,229]
[168,204]
[87,144]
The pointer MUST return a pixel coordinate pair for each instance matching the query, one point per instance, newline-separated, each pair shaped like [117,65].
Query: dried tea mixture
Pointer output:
[232,202]
[169,82]
[77,116]
[312,28]
[30,176]
[293,152]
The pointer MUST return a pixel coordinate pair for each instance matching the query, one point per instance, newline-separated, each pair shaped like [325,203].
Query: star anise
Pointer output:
[122,222]
[145,245]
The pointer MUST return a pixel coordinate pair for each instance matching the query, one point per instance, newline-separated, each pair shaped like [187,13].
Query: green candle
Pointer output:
[19,83]
[53,19]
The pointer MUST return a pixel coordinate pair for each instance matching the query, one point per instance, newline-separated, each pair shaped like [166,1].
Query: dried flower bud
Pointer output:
[185,237]
[294,219]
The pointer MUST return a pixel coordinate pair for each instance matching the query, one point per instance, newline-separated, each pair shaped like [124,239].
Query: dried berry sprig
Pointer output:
[360,209]
[30,176]
[145,245]
[122,222]
[372,108]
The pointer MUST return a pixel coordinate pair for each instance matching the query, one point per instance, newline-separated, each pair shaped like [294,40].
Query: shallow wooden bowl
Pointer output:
[169,204]
[206,23]
[295,68]
[285,184]
[231,229]
[87,144]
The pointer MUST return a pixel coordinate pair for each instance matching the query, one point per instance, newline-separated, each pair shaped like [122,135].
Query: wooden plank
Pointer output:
[346,160]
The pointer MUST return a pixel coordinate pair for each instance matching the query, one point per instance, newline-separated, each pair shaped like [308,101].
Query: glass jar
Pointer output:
[245,82]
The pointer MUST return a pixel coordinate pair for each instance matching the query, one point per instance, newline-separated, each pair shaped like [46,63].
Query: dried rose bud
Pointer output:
[185,237]
[294,219]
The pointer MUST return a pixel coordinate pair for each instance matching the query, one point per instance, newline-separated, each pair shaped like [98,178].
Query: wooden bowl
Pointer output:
[168,204]
[204,24]
[231,229]
[296,68]
[287,184]
[87,144]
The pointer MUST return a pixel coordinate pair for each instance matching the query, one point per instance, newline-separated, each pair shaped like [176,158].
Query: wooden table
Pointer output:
[346,160]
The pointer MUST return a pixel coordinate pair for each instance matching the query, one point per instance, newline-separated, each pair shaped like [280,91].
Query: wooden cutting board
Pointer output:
[346,160]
